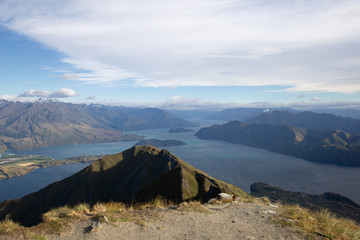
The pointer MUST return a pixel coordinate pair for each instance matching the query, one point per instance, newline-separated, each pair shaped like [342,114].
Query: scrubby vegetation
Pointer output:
[318,223]
[315,225]
[56,220]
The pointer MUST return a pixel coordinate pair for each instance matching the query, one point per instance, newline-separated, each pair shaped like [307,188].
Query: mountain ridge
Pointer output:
[137,174]
[335,147]
[40,124]
[308,120]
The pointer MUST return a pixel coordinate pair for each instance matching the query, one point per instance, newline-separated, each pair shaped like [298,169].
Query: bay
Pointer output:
[20,186]
[236,164]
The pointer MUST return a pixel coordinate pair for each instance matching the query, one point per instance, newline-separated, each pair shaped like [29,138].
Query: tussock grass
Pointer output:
[195,206]
[8,227]
[265,200]
[115,207]
[322,223]
[157,202]
[99,208]
[82,208]
[34,236]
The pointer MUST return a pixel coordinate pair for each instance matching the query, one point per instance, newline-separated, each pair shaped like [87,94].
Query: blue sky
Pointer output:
[180,54]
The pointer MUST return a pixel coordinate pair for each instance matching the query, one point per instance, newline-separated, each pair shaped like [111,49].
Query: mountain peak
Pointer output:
[138,174]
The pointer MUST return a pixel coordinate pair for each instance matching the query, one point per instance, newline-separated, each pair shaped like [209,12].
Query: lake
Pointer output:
[236,164]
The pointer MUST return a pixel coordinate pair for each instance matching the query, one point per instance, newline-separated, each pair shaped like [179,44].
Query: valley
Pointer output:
[237,164]
[49,123]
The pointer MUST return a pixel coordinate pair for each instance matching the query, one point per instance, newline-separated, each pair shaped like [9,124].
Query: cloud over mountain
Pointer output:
[61,93]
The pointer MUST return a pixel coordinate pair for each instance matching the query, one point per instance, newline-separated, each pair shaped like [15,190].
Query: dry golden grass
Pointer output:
[157,202]
[195,206]
[323,223]
[8,227]
[115,207]
[265,200]
[25,164]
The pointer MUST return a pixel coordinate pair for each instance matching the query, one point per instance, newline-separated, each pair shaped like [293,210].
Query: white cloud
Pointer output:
[188,103]
[92,98]
[70,76]
[61,93]
[316,99]
[302,45]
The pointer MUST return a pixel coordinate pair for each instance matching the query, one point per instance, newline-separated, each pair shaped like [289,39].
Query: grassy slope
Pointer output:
[127,176]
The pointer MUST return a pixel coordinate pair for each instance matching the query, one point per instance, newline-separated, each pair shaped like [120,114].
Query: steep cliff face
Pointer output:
[137,174]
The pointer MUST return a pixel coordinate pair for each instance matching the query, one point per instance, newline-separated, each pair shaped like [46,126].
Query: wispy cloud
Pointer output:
[61,93]
[316,99]
[301,45]
[91,98]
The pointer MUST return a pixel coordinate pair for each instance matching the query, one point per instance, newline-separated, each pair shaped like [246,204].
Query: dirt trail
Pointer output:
[238,221]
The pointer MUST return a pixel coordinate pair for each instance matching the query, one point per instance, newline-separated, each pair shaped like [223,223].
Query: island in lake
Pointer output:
[179,130]
[160,143]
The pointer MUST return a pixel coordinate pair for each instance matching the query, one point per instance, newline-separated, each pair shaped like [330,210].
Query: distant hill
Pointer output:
[46,123]
[192,114]
[137,174]
[308,120]
[352,113]
[160,143]
[335,147]
[340,205]
[241,114]
[179,130]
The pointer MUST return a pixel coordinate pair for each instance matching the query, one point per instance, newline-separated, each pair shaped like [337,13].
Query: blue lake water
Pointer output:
[236,164]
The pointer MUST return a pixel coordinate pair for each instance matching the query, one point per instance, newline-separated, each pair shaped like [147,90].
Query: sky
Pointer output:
[182,53]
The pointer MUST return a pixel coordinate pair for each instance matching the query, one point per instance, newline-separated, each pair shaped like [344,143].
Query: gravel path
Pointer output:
[224,221]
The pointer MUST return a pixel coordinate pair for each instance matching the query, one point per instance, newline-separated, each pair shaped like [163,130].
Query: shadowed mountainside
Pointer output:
[335,147]
[336,203]
[137,174]
[308,120]
[47,123]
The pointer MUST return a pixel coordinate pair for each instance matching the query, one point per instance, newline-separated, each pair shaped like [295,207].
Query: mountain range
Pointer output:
[46,123]
[308,120]
[136,175]
[335,147]
[246,113]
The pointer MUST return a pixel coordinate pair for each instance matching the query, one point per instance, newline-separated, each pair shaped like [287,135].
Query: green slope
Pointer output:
[137,174]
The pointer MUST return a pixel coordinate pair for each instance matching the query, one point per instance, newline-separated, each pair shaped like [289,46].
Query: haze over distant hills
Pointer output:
[308,120]
[240,114]
[335,147]
[46,123]
[137,174]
